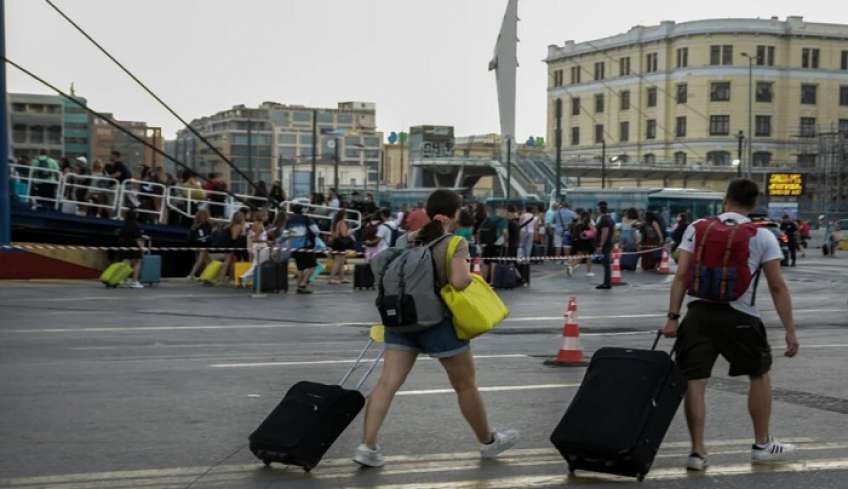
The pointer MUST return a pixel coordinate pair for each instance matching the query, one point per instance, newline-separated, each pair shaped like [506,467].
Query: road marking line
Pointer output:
[345,463]
[336,362]
[169,328]
[844,345]
[659,474]
[647,316]
[500,388]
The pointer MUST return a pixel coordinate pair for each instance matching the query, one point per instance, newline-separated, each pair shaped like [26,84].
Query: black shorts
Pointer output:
[492,251]
[305,261]
[710,329]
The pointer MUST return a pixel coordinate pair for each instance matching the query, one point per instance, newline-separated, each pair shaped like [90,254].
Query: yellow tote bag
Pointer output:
[477,308]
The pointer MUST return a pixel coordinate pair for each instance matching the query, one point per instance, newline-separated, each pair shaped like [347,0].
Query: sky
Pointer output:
[421,62]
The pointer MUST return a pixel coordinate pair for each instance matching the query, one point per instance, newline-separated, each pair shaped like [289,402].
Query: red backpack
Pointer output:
[719,270]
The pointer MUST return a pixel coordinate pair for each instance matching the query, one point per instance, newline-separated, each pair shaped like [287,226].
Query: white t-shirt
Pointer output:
[530,227]
[763,248]
[385,233]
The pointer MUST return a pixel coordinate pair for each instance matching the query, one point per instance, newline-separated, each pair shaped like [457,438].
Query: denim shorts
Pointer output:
[438,341]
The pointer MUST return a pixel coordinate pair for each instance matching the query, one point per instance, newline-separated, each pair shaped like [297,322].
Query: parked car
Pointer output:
[774,227]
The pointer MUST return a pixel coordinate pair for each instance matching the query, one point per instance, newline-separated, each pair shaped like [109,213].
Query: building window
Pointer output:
[680,158]
[844,60]
[761,159]
[575,136]
[650,159]
[843,95]
[624,66]
[718,158]
[652,96]
[721,55]
[557,78]
[19,133]
[599,70]
[599,103]
[763,126]
[301,116]
[575,75]
[651,129]
[682,93]
[807,160]
[680,127]
[720,91]
[843,127]
[624,132]
[652,63]
[624,100]
[682,57]
[810,58]
[345,119]
[808,94]
[765,92]
[719,125]
[599,133]
[287,139]
[575,105]
[808,127]
[36,134]
[765,56]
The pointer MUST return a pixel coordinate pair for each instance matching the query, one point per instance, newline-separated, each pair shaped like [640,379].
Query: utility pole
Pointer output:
[313,178]
[336,165]
[508,167]
[603,163]
[250,150]
[402,141]
[5,203]
[749,162]
[741,138]
[558,145]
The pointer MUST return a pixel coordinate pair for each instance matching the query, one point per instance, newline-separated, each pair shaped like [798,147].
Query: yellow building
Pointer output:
[678,93]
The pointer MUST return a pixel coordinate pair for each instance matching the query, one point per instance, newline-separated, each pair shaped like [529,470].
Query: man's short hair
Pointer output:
[743,192]
[116,154]
[602,205]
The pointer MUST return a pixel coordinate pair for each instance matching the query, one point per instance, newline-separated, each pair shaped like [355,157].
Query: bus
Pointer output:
[663,201]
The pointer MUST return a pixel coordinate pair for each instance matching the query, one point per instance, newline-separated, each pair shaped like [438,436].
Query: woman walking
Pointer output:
[341,243]
[440,342]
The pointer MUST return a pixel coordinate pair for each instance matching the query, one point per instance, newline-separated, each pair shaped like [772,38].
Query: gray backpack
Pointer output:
[407,299]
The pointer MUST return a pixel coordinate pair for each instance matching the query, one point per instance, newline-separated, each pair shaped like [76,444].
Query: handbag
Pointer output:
[476,309]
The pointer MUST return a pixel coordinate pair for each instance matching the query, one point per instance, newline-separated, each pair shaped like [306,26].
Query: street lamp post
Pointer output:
[313,179]
[558,145]
[336,164]
[741,138]
[749,162]
[508,168]
[603,163]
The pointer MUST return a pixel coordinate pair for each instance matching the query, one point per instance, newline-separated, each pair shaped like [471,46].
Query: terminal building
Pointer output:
[660,103]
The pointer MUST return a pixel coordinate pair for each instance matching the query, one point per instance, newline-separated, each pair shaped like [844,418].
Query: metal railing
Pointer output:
[64,193]
[42,184]
[134,192]
[107,191]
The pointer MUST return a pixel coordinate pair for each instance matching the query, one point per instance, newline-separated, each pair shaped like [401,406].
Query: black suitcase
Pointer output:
[309,419]
[524,272]
[629,261]
[363,277]
[505,276]
[272,276]
[538,251]
[619,416]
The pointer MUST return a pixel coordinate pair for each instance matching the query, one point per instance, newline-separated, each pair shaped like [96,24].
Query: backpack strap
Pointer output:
[699,255]
[756,283]
[726,260]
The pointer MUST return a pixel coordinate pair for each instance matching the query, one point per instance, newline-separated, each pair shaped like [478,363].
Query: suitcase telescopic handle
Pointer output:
[672,353]
[356,363]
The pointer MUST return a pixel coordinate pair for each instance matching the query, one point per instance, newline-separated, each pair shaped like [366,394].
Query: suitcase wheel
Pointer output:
[640,477]
[266,462]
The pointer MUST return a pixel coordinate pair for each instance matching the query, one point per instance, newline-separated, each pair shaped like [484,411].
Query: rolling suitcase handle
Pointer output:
[358,361]
[671,353]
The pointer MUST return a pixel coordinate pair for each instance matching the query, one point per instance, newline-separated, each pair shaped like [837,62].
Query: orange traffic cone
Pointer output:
[616,267]
[570,353]
[665,266]
[475,265]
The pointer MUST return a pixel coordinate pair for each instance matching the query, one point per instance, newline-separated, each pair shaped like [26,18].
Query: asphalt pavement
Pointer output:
[159,388]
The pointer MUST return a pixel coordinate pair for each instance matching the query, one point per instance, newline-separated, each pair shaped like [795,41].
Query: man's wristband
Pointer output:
[673,316]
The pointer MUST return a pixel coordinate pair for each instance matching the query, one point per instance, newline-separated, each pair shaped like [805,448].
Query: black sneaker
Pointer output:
[604,287]
[303,290]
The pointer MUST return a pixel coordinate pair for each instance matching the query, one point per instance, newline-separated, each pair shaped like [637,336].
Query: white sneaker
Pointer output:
[696,462]
[135,285]
[502,441]
[569,270]
[773,451]
[367,457]
[590,274]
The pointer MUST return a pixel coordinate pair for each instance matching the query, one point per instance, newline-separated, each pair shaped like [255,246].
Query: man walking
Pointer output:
[563,217]
[722,319]
[605,229]
[791,230]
